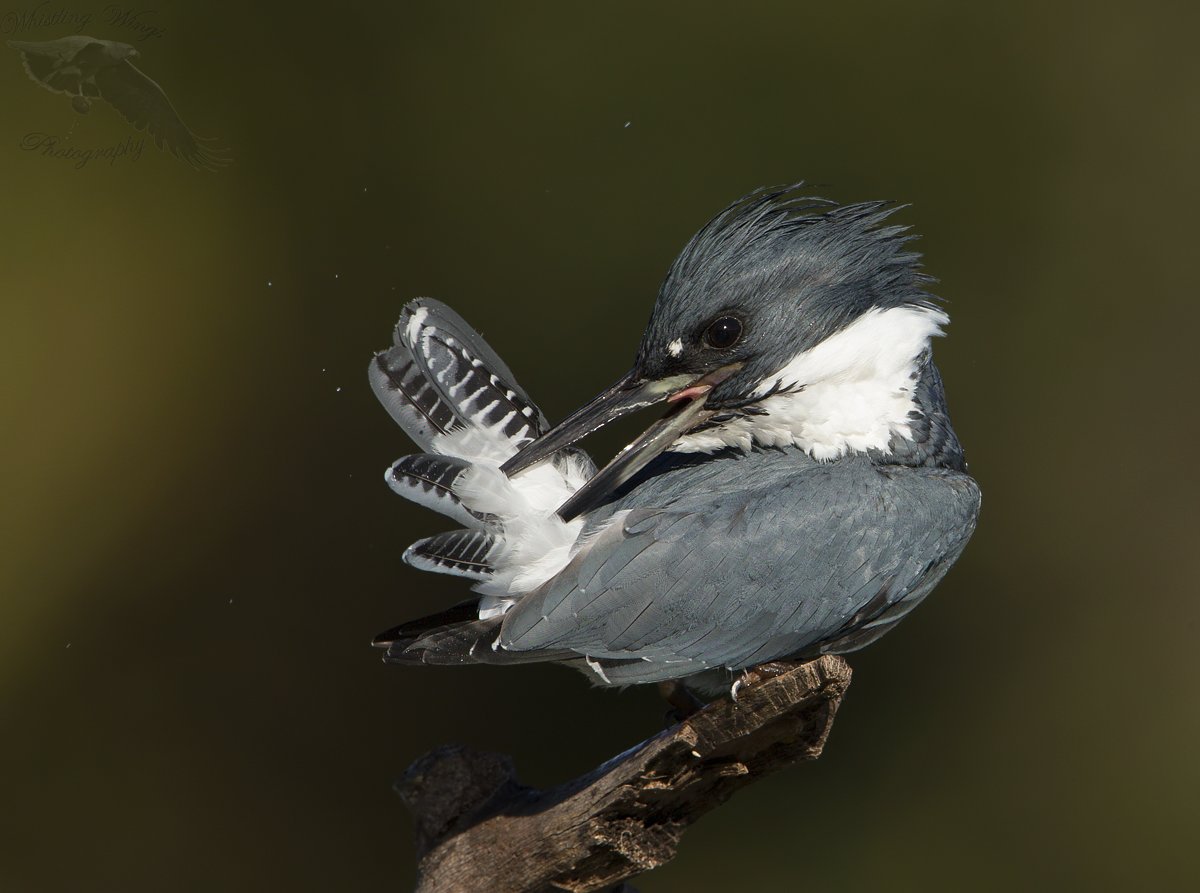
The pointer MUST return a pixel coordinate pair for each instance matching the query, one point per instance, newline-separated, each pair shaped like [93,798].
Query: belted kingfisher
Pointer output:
[803,492]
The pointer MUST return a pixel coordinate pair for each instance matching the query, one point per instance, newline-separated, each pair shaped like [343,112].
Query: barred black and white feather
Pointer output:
[441,377]
[464,553]
[458,401]
[429,480]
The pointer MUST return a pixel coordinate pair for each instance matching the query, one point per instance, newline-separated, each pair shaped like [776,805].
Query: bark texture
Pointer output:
[480,829]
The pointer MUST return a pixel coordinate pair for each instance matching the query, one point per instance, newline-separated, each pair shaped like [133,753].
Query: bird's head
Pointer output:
[118,52]
[786,319]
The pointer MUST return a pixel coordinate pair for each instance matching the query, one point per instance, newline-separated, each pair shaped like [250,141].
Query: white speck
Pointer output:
[364,189]
[269,283]
[68,644]
[696,754]
[675,348]
[231,601]
[337,390]
[322,369]
[337,275]
[627,123]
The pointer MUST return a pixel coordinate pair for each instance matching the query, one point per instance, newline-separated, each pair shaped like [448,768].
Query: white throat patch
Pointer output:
[850,393]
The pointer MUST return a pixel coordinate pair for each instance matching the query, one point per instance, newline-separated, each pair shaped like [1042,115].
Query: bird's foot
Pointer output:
[761,673]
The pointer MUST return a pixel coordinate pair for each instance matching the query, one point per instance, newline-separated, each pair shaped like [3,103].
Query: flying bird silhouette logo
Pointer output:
[86,68]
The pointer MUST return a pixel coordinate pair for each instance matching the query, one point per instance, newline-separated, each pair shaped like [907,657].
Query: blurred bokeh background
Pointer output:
[196,543]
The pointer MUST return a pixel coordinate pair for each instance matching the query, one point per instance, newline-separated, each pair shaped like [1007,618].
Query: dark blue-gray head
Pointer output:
[787,319]
[773,275]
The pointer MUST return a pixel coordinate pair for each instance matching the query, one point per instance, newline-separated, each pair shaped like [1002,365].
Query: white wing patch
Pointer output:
[675,348]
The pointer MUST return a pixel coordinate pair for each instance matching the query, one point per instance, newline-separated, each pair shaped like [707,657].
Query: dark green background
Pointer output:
[198,543]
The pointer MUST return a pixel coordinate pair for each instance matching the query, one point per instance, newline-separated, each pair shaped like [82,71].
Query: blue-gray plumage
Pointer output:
[804,492]
[737,561]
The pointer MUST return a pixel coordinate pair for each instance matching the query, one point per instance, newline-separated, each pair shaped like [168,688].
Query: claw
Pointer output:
[744,679]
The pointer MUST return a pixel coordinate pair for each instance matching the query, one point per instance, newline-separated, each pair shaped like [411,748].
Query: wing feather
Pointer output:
[145,105]
[56,64]
[441,378]
[730,577]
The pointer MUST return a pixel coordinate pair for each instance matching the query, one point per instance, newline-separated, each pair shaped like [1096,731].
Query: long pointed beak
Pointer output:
[634,457]
[627,395]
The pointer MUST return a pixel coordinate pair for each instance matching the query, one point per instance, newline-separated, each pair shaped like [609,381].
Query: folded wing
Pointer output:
[731,579]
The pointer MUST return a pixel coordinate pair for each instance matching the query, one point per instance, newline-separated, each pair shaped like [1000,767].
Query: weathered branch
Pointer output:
[479,829]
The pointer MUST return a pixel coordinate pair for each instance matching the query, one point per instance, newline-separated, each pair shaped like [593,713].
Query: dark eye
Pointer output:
[724,332]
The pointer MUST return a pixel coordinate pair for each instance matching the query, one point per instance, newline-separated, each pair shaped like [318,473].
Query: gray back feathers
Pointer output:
[740,561]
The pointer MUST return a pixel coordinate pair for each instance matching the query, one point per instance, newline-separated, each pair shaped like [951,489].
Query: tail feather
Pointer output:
[411,630]
[450,638]
[456,643]
[464,553]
